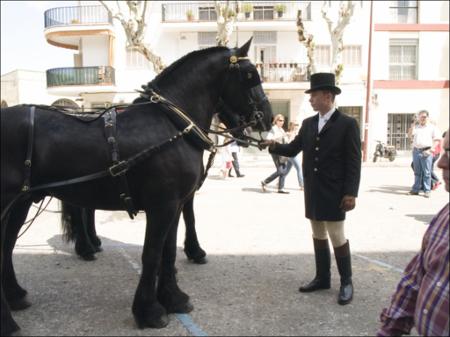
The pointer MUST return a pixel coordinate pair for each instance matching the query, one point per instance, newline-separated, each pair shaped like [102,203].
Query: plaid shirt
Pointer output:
[421,298]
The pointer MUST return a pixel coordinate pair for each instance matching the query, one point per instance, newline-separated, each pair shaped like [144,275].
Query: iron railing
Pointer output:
[102,75]
[260,11]
[283,72]
[77,15]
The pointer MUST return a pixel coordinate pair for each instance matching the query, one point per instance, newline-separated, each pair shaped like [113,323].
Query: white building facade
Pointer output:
[408,71]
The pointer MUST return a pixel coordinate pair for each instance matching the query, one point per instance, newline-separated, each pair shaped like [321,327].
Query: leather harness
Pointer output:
[119,167]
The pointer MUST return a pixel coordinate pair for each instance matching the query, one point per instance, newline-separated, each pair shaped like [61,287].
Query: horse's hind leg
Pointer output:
[169,294]
[89,218]
[15,295]
[75,222]
[192,247]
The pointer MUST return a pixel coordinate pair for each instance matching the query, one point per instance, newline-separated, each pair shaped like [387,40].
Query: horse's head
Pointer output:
[243,96]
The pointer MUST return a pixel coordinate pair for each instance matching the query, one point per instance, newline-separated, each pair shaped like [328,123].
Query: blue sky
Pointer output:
[23,45]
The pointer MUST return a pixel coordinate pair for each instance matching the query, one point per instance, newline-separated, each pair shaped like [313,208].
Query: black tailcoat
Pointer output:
[331,163]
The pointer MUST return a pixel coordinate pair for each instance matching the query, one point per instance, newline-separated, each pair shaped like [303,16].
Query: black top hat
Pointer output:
[323,81]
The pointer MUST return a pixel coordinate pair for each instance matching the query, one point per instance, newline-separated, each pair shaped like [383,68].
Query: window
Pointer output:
[136,60]
[323,55]
[355,112]
[351,56]
[207,14]
[397,130]
[263,12]
[65,103]
[403,11]
[264,37]
[206,39]
[403,59]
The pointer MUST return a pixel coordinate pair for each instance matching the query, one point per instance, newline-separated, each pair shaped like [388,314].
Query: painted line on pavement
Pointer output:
[378,262]
[185,319]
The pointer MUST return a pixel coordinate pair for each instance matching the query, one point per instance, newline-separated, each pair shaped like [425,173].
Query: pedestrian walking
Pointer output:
[424,136]
[235,152]
[277,135]
[331,146]
[421,297]
[294,161]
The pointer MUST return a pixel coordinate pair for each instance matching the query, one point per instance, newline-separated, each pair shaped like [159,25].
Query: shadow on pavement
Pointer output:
[425,218]
[391,189]
[245,295]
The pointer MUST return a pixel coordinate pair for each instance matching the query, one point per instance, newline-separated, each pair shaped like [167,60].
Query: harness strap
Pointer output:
[124,190]
[27,162]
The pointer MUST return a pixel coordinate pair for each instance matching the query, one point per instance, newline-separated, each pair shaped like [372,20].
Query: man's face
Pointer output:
[320,101]
[443,162]
[423,118]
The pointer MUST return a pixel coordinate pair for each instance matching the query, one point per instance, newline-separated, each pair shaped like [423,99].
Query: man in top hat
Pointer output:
[331,146]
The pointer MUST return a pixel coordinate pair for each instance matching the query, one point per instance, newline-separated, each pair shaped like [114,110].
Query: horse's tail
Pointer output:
[69,214]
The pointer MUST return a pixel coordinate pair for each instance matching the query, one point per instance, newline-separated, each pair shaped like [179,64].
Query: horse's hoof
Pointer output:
[8,327]
[199,260]
[98,249]
[150,316]
[160,323]
[20,304]
[199,257]
[88,257]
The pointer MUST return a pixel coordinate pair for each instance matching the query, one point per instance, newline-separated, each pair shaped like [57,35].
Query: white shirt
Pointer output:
[324,119]
[424,135]
[277,134]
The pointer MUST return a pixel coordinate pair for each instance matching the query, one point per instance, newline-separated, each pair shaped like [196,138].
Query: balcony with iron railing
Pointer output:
[81,76]
[77,15]
[257,11]
[283,72]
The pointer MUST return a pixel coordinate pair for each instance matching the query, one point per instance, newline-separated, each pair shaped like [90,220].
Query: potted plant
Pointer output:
[280,9]
[190,15]
[230,13]
[247,8]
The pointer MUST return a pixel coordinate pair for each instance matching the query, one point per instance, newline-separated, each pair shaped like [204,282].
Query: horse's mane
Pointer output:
[175,65]
[153,83]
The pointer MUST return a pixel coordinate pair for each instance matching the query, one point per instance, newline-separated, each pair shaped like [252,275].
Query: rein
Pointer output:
[120,168]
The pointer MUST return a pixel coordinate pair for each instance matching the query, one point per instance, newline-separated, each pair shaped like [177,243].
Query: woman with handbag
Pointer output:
[282,164]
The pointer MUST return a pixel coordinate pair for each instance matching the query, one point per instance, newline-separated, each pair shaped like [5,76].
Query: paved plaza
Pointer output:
[259,252]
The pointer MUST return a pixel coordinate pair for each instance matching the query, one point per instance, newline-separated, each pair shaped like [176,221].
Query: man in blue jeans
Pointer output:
[425,138]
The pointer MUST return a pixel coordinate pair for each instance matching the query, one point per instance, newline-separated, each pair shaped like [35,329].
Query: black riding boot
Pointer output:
[323,262]
[344,265]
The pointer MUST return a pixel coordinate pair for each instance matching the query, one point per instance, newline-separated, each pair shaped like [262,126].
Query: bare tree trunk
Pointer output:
[308,41]
[336,34]
[226,18]
[134,27]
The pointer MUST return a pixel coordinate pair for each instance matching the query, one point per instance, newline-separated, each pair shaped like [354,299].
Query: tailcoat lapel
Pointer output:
[330,123]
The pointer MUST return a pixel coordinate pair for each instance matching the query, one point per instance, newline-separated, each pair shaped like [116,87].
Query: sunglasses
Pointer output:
[280,120]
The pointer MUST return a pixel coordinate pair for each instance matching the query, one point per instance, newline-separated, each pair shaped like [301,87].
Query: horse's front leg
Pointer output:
[147,311]
[192,247]
[15,295]
[11,294]
[169,294]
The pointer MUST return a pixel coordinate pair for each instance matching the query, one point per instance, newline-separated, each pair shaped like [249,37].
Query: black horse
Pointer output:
[78,223]
[161,137]
[79,226]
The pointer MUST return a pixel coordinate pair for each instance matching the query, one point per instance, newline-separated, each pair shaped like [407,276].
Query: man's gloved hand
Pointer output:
[266,143]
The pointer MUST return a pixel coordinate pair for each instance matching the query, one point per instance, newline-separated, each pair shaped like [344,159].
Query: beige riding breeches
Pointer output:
[335,229]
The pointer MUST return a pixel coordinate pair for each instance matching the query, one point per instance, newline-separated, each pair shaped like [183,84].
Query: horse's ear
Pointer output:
[243,51]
